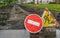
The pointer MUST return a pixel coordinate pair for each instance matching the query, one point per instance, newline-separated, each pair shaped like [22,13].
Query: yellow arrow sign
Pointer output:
[48,19]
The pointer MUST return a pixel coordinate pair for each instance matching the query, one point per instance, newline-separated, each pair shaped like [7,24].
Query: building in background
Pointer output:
[44,1]
[39,1]
[57,1]
[24,1]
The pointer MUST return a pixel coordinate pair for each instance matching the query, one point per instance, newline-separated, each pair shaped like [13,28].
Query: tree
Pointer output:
[57,1]
[33,1]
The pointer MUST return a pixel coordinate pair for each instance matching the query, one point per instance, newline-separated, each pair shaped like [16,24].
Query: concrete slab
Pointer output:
[14,34]
[57,33]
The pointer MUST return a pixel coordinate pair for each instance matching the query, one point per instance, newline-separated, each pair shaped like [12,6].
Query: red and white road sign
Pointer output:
[33,23]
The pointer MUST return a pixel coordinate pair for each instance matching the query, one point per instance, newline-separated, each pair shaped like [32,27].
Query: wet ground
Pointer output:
[15,25]
[17,16]
[16,19]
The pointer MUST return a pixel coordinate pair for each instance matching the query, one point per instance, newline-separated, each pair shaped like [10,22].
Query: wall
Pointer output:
[24,1]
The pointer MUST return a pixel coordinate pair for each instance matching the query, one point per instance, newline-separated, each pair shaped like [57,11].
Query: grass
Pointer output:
[55,7]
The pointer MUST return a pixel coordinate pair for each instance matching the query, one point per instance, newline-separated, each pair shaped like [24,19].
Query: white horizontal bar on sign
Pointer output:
[33,22]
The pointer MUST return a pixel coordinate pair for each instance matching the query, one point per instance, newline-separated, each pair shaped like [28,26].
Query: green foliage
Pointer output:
[7,2]
[55,7]
[11,1]
[1,3]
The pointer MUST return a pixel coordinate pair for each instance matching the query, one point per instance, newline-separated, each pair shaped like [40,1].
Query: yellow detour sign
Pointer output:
[48,19]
